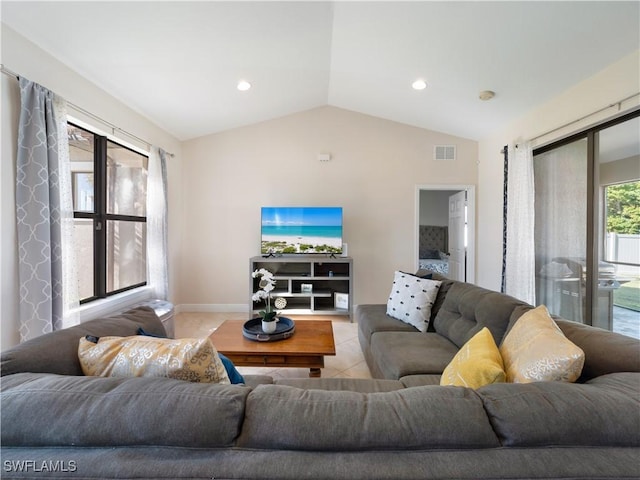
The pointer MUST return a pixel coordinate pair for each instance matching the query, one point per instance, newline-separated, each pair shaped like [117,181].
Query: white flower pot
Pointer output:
[269,327]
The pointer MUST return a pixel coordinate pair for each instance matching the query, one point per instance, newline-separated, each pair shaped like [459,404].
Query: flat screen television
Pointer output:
[301,230]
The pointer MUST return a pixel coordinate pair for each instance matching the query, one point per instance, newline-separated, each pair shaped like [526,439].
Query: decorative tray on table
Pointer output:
[252,330]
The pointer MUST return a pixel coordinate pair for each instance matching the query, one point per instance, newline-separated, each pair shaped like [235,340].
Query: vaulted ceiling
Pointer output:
[178,63]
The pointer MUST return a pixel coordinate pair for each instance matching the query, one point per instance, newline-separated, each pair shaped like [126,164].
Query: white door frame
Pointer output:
[471,224]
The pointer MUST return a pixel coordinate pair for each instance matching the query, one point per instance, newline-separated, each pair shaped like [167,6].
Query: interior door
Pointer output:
[457,250]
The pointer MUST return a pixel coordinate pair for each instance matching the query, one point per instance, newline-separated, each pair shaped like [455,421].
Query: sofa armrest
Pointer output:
[57,352]
[604,351]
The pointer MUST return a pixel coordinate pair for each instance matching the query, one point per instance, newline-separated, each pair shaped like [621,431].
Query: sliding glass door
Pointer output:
[587,226]
[616,304]
[561,228]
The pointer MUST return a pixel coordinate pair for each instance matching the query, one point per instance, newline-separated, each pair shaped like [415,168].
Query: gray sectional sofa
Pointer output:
[57,423]
[397,351]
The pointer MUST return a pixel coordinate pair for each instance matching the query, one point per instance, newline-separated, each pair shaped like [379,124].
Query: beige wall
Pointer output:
[23,57]
[612,84]
[620,171]
[434,207]
[10,106]
[375,167]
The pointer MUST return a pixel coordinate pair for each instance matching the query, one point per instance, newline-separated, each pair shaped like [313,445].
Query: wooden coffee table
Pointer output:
[306,348]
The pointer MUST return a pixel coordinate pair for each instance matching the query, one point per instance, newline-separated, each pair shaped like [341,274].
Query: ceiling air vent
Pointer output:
[444,152]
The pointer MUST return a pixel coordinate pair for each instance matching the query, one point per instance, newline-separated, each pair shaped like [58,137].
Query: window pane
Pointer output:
[622,222]
[81,147]
[561,229]
[617,303]
[126,254]
[83,237]
[126,181]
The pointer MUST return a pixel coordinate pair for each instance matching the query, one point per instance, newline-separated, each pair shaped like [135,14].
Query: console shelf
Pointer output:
[308,283]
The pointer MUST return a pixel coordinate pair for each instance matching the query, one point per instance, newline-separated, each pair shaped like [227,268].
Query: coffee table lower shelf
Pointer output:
[306,348]
[313,363]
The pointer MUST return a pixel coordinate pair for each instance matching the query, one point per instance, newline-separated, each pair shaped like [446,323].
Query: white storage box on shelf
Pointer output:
[165,311]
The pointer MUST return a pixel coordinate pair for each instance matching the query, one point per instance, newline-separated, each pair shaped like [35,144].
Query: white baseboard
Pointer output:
[212,307]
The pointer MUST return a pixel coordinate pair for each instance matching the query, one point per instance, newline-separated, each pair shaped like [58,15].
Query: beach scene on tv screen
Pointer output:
[291,230]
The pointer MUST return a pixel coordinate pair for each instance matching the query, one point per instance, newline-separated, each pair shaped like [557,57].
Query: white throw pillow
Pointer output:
[411,299]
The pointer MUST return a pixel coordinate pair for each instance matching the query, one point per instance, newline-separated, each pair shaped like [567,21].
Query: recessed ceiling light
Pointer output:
[486,95]
[419,84]
[243,85]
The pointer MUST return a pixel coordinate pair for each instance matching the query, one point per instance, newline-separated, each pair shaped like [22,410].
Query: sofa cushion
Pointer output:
[536,350]
[515,316]
[397,354]
[468,308]
[254,380]
[361,385]
[445,285]
[604,351]
[374,318]
[56,410]
[421,380]
[411,299]
[188,359]
[603,412]
[477,363]
[57,352]
[282,417]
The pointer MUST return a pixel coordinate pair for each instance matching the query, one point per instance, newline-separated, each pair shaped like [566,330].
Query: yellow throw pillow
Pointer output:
[536,350]
[190,359]
[477,363]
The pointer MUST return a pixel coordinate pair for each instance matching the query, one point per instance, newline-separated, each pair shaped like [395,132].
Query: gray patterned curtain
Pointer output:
[43,204]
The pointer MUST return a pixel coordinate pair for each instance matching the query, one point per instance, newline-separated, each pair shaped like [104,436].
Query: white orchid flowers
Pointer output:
[267,284]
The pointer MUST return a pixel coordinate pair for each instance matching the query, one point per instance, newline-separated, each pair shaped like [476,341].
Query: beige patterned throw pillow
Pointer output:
[536,350]
[190,359]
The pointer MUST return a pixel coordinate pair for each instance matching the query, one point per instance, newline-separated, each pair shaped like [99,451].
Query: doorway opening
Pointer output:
[445,230]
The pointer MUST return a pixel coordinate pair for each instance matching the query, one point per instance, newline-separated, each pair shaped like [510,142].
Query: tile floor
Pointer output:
[348,362]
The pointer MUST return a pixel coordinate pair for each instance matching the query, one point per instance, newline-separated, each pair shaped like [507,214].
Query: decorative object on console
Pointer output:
[269,314]
[341,301]
[411,299]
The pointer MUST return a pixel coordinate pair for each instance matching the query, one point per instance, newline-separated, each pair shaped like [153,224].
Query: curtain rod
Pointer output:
[614,104]
[113,127]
